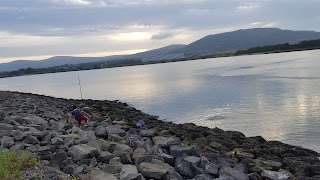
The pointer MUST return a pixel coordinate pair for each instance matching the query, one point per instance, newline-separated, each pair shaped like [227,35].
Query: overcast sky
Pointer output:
[37,29]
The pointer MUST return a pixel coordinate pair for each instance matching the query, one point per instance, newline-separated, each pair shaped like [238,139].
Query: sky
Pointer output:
[39,29]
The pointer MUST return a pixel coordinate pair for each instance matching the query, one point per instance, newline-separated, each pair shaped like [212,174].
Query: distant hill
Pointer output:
[244,39]
[229,41]
[54,61]
[169,52]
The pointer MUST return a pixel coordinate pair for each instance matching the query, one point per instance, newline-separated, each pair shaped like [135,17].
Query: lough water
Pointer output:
[276,96]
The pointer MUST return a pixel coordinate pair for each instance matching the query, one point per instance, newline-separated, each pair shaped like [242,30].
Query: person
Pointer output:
[140,123]
[79,115]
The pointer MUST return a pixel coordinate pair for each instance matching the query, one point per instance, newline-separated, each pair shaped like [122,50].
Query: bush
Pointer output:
[12,163]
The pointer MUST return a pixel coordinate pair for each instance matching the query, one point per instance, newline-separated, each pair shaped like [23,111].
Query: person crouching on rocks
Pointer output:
[79,115]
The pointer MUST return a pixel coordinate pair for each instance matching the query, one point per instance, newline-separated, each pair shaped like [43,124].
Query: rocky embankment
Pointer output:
[112,147]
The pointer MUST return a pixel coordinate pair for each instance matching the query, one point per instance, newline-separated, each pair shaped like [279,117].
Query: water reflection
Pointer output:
[276,96]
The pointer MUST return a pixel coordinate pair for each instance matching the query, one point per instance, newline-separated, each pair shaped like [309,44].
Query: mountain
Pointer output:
[54,61]
[248,38]
[235,40]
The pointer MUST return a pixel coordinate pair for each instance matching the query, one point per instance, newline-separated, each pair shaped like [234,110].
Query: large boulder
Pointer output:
[153,171]
[31,140]
[115,130]
[56,141]
[5,129]
[146,133]
[101,175]
[7,142]
[166,141]
[230,172]
[178,150]
[101,132]
[32,119]
[105,156]
[281,175]
[83,151]
[138,155]
[130,172]
[18,135]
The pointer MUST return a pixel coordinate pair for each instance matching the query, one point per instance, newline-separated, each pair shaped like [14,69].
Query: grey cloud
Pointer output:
[161,36]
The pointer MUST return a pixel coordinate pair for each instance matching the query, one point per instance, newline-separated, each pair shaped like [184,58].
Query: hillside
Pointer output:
[209,45]
[248,38]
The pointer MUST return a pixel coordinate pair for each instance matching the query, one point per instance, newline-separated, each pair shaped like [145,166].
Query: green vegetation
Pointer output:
[12,163]
[303,45]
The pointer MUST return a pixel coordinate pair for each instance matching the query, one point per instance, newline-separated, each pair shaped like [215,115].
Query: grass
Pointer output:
[12,163]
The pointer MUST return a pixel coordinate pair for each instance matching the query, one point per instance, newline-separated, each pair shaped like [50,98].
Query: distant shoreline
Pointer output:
[8,75]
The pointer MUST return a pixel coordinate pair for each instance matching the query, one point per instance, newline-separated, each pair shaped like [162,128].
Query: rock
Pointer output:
[33,148]
[254,176]
[230,172]
[101,132]
[124,152]
[178,150]
[138,155]
[31,119]
[192,160]
[146,133]
[53,173]
[101,175]
[7,142]
[7,127]
[115,130]
[56,141]
[211,168]
[16,147]
[83,151]
[202,177]
[59,157]
[184,169]
[166,142]
[105,156]
[281,175]
[130,172]
[76,130]
[114,166]
[89,135]
[31,140]
[152,170]
[173,176]
[18,135]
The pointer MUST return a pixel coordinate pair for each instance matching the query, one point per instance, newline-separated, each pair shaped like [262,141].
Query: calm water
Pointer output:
[276,96]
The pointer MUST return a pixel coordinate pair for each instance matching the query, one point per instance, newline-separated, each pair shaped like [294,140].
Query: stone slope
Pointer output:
[112,147]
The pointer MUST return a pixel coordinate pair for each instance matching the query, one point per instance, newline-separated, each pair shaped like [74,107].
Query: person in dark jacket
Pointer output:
[79,115]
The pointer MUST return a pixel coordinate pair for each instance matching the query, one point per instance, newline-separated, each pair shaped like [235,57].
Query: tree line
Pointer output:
[303,45]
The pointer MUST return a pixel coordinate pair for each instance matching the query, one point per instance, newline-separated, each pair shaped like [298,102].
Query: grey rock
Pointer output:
[192,160]
[89,135]
[56,141]
[281,175]
[166,141]
[152,170]
[31,119]
[83,151]
[7,142]
[130,172]
[115,130]
[31,140]
[227,171]
[146,133]
[105,156]
[101,132]
[33,148]
[211,168]
[202,177]
[18,135]
[7,127]
[173,176]
[53,173]
[178,150]
[101,175]
[16,147]
[184,169]
[59,157]
[138,155]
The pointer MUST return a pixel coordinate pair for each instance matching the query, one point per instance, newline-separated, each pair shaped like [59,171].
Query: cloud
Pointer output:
[56,27]
[162,35]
